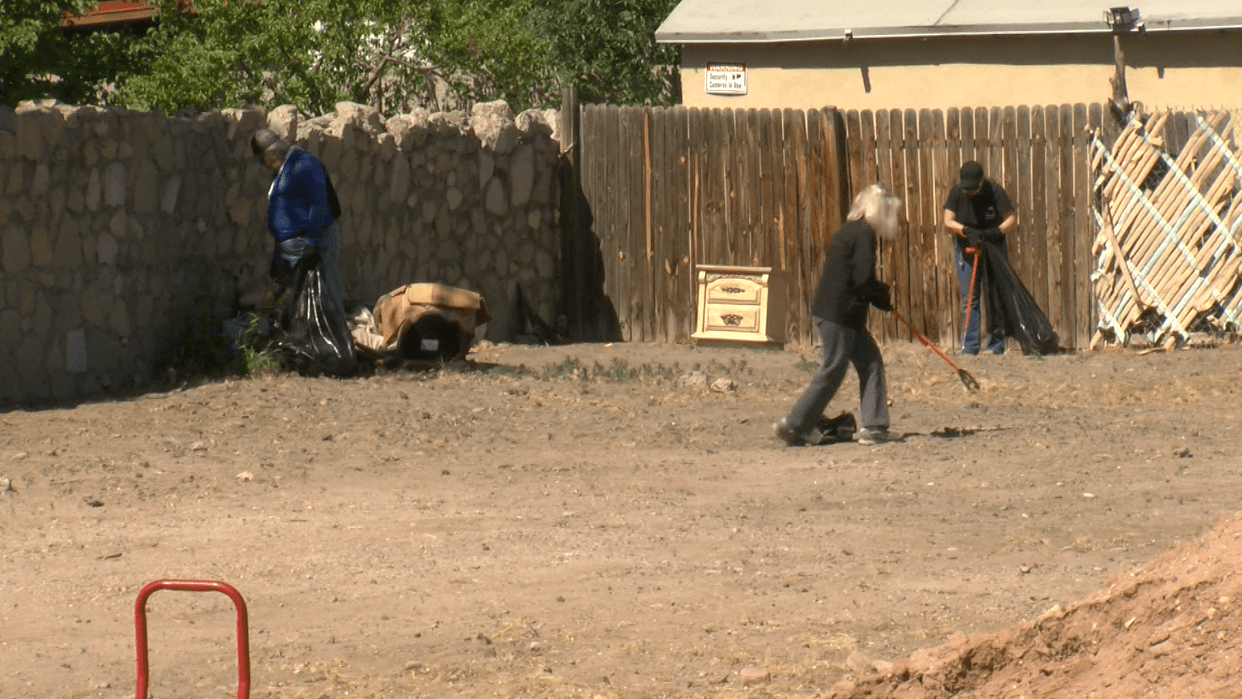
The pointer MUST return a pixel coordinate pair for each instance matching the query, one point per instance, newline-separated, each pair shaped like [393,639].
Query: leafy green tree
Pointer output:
[392,54]
[488,51]
[228,54]
[607,49]
[22,65]
[40,59]
[439,54]
[313,53]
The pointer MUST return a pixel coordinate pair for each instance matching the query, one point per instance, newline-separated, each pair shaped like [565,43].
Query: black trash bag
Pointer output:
[837,429]
[1012,310]
[305,334]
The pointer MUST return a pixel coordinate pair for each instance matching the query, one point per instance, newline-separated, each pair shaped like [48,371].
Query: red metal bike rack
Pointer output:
[243,633]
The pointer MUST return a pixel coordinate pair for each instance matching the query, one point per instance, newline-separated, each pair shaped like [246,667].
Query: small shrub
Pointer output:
[568,368]
[619,371]
[253,356]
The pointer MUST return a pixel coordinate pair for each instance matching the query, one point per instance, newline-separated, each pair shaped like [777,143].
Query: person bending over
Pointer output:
[302,208]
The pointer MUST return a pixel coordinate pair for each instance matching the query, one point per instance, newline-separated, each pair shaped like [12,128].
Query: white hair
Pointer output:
[878,207]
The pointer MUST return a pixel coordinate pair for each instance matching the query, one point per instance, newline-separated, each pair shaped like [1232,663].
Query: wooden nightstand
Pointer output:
[741,304]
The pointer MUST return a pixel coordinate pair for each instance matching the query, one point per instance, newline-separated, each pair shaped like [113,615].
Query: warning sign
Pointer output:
[725,78]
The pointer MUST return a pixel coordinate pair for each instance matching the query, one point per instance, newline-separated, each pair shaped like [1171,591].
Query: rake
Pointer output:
[967,379]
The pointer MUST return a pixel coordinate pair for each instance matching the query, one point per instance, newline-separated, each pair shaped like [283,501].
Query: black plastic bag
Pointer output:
[837,429]
[1012,310]
[307,335]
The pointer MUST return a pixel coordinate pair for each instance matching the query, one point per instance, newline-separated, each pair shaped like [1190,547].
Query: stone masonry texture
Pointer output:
[125,234]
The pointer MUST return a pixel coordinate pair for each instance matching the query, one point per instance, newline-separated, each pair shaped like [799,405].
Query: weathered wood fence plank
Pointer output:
[797,270]
[940,251]
[893,263]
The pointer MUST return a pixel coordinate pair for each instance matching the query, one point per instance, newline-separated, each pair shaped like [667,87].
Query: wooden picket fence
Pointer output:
[650,193]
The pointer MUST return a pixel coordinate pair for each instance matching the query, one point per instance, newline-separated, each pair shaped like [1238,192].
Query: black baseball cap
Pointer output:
[971,175]
[262,140]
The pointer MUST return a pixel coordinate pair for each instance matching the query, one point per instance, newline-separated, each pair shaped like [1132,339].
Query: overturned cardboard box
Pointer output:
[426,321]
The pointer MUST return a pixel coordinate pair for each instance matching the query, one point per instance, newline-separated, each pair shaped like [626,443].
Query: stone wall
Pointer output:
[126,235]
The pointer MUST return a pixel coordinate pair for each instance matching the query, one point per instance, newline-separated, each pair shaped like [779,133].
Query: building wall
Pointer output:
[124,235]
[1199,69]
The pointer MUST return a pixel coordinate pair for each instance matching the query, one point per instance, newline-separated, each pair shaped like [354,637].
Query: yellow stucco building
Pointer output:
[887,54]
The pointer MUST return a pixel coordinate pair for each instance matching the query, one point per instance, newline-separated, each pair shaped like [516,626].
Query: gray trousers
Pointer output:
[842,346]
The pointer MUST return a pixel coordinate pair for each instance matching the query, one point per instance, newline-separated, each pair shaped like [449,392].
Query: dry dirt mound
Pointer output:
[1169,629]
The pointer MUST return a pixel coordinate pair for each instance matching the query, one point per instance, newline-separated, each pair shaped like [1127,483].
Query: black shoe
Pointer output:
[786,434]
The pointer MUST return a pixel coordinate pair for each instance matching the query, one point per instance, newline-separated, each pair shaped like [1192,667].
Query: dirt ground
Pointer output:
[601,521]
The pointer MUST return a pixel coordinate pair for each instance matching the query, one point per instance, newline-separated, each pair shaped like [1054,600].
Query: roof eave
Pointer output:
[99,20]
[838,34]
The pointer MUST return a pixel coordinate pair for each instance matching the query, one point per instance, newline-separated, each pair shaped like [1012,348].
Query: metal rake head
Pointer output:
[968,380]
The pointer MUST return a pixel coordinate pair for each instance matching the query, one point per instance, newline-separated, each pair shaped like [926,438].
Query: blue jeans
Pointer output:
[841,347]
[962,264]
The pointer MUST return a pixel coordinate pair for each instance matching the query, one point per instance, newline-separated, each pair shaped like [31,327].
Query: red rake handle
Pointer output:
[926,341]
[962,374]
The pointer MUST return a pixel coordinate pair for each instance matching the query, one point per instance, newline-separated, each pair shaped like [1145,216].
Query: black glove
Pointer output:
[974,236]
[994,235]
[882,297]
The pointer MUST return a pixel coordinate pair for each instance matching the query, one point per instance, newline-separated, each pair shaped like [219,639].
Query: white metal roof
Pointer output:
[763,21]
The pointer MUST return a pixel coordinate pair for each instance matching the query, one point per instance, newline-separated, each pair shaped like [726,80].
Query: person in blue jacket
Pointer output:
[847,288]
[302,209]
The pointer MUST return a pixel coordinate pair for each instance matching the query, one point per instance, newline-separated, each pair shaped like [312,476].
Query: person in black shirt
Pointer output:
[976,211]
[847,287]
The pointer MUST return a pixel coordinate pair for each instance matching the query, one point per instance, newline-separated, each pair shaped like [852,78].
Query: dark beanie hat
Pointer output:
[971,175]
[262,140]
